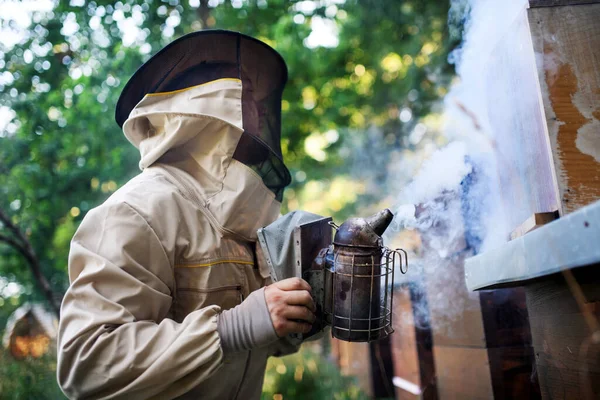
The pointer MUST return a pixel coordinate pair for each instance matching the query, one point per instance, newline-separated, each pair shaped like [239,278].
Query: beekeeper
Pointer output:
[167,294]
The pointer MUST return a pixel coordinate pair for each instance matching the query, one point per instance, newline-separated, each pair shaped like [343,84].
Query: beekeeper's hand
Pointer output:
[291,306]
[266,315]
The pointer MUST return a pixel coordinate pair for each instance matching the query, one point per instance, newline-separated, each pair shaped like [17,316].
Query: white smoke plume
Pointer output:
[466,128]
[453,201]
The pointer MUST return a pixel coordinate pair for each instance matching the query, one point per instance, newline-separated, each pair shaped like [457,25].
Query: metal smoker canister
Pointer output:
[354,273]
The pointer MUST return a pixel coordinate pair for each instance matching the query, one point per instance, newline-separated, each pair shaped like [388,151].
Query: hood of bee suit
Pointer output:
[194,132]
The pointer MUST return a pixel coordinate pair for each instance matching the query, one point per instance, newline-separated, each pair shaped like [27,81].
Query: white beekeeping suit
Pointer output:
[154,268]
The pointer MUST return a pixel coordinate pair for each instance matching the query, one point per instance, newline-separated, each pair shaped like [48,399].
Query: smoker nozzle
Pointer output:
[380,221]
[364,232]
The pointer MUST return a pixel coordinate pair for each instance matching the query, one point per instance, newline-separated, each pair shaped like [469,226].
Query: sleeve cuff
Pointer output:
[248,325]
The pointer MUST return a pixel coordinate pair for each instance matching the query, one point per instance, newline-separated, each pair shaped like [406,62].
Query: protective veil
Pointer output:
[207,56]
[153,268]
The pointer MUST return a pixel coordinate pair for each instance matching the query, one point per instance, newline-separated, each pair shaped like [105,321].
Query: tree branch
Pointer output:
[22,245]
[11,227]
[12,243]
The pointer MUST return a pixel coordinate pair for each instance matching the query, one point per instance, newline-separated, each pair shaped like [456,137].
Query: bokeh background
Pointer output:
[366,82]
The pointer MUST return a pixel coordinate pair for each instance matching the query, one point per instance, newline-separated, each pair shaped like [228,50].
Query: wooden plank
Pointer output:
[566,345]
[462,373]
[505,318]
[557,3]
[564,330]
[513,373]
[534,222]
[508,339]
[424,337]
[567,44]
[544,300]
[518,127]
[382,369]
[412,345]
[561,383]
[554,3]
[404,344]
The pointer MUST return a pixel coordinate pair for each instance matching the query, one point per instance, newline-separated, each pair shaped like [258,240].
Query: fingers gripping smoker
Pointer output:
[352,276]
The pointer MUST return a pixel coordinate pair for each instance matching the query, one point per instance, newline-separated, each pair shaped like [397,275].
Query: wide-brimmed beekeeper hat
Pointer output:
[201,57]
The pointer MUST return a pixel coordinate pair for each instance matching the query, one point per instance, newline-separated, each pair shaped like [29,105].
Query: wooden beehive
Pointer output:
[566,41]
[30,332]
[549,65]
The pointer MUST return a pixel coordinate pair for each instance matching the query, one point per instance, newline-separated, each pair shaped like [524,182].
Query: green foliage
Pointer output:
[306,375]
[31,378]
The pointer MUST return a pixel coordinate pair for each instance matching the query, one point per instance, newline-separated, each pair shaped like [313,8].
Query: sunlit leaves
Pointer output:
[307,374]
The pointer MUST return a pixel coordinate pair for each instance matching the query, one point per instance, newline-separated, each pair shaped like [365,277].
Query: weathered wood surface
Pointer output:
[508,340]
[514,373]
[567,45]
[424,338]
[568,242]
[518,127]
[554,3]
[565,333]
[404,343]
[412,345]
[382,368]
[462,373]
[533,222]
[505,318]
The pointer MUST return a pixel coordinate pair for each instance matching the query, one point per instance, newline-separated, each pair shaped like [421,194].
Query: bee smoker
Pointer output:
[352,277]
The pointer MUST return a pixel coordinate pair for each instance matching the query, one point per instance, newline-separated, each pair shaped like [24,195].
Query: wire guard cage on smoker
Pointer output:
[359,280]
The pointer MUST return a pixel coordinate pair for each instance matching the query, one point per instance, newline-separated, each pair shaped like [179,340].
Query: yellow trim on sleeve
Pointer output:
[191,87]
[214,263]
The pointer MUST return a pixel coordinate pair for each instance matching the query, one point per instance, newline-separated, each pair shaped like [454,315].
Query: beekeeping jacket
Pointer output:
[153,268]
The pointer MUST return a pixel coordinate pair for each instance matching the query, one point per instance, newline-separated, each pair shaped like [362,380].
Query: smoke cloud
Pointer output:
[453,201]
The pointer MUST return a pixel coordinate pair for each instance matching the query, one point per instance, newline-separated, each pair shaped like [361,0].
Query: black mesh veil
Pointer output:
[206,56]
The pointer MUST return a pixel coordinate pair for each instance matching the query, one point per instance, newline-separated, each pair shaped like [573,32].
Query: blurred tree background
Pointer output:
[366,78]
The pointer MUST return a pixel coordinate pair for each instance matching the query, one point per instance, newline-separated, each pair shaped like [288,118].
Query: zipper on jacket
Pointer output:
[188,191]
[191,195]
